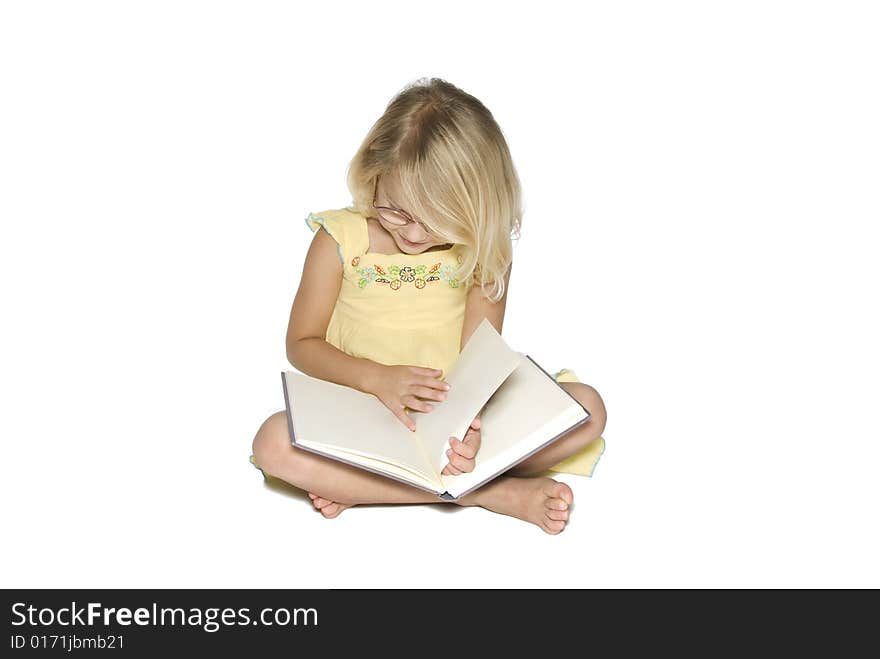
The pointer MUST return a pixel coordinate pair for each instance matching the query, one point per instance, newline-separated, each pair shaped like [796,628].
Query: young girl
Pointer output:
[392,289]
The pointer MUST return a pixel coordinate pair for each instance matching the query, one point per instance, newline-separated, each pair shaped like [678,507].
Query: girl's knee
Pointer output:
[590,398]
[272,443]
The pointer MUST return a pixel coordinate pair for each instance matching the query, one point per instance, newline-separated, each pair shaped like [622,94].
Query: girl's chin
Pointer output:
[411,246]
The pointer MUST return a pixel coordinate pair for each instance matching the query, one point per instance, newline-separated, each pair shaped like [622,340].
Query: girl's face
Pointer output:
[412,237]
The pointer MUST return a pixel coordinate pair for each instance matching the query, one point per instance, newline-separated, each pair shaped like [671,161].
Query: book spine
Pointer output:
[288,408]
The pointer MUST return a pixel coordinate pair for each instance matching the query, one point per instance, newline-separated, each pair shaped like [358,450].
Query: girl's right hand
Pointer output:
[400,387]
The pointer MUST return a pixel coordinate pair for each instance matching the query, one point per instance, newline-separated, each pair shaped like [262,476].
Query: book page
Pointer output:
[526,412]
[345,419]
[386,468]
[483,364]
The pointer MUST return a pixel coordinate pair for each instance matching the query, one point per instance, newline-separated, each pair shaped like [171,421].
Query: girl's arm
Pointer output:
[478,307]
[307,350]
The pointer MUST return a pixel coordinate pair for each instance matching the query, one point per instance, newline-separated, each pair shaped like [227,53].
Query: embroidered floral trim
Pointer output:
[396,276]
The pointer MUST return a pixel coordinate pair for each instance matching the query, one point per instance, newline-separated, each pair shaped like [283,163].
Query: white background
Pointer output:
[699,243]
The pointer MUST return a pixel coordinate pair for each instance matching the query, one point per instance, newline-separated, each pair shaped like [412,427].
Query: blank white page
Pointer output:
[483,364]
[326,413]
[528,410]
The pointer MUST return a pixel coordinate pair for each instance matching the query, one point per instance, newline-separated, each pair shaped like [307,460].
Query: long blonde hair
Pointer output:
[453,165]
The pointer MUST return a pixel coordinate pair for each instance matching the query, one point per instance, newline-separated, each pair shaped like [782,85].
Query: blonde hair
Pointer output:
[453,165]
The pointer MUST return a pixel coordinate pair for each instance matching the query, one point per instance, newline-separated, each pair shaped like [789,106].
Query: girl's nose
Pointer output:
[415,235]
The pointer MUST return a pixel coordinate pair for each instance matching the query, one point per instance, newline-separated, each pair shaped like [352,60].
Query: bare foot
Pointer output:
[542,501]
[329,509]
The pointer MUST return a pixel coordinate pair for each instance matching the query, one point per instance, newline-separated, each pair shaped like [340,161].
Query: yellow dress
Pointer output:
[406,309]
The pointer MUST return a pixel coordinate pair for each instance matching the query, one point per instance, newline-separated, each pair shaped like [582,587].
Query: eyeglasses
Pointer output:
[396,216]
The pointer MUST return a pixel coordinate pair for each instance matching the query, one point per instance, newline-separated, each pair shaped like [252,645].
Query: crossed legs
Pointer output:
[521,492]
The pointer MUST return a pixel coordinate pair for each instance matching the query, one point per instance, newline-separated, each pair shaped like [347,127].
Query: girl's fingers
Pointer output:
[472,440]
[407,421]
[432,383]
[430,374]
[459,462]
[428,393]
[421,370]
[452,465]
[463,449]
[418,404]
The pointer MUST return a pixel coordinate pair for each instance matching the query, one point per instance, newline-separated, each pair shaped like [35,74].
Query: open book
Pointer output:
[524,410]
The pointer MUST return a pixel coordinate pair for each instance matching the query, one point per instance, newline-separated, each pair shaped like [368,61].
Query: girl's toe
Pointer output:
[557,515]
[332,510]
[556,490]
[564,492]
[552,526]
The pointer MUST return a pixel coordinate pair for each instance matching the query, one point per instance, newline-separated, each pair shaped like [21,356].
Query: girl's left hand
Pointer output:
[462,454]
